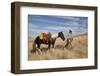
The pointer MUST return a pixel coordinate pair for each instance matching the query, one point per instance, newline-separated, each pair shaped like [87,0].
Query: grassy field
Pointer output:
[79,50]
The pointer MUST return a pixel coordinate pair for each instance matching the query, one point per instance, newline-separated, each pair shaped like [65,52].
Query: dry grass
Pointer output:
[79,50]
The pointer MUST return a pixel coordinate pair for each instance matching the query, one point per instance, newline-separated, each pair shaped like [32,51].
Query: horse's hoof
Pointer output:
[31,51]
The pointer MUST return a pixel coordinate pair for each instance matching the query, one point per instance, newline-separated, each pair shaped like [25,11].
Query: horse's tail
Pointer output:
[34,47]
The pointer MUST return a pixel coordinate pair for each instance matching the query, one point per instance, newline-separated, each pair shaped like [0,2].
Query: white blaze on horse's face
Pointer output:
[55,35]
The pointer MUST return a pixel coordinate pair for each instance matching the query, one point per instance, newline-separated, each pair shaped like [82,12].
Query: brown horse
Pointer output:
[49,41]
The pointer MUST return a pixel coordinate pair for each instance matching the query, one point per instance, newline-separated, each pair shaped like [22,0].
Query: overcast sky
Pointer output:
[41,23]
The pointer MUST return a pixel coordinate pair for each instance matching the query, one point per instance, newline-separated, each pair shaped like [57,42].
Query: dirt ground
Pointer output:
[79,50]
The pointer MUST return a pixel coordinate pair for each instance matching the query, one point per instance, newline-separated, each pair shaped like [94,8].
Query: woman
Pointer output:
[69,39]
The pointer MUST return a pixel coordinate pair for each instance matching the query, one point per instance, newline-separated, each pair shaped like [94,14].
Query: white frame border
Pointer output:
[25,64]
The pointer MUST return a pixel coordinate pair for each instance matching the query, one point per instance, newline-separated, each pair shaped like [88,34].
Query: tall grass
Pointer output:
[79,50]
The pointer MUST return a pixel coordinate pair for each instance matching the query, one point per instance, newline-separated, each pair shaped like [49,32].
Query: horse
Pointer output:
[49,41]
[69,40]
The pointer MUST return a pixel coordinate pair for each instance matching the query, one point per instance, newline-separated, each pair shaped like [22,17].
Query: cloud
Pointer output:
[57,28]
[31,25]
[38,24]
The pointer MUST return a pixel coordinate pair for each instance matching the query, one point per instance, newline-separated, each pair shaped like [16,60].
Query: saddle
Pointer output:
[44,36]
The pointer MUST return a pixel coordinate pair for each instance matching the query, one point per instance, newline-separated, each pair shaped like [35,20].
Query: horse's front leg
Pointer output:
[49,45]
[53,43]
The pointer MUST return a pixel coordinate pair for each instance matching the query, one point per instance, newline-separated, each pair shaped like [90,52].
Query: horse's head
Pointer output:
[61,35]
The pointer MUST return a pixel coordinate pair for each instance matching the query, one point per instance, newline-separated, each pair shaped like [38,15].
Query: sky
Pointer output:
[43,23]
